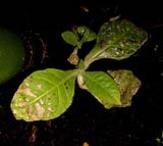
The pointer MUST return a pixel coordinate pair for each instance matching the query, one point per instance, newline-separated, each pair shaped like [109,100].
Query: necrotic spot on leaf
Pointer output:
[48,94]
[40,110]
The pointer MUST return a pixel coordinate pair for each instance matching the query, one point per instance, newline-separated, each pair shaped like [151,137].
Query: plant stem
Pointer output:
[94,55]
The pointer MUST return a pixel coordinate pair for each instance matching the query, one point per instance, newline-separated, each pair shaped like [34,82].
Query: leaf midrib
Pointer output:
[102,88]
[73,74]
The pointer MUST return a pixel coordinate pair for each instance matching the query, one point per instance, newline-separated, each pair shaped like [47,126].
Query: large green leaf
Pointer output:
[118,40]
[128,85]
[12,54]
[44,95]
[103,87]
[122,38]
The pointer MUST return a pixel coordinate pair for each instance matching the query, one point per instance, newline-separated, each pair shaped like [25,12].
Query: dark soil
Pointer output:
[86,120]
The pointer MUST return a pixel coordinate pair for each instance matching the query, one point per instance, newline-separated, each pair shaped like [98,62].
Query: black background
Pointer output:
[87,120]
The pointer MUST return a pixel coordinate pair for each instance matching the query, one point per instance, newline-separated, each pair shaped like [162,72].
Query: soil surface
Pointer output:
[86,120]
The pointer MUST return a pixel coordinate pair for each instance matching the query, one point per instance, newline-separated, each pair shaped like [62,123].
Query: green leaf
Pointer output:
[102,87]
[70,38]
[128,85]
[117,40]
[44,95]
[121,38]
[86,34]
[12,55]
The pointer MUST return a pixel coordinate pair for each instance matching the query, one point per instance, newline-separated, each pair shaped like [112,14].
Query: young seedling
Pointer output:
[46,94]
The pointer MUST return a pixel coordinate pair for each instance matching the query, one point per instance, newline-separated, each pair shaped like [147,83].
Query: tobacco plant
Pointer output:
[47,94]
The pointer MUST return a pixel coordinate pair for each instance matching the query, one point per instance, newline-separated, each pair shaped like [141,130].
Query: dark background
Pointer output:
[86,120]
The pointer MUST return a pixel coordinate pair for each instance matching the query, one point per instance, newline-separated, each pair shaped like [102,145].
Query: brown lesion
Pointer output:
[74,58]
[40,110]
[128,85]
[35,112]
[25,90]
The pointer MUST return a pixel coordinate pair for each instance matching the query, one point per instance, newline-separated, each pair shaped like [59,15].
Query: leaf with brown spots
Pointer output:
[118,39]
[128,85]
[44,95]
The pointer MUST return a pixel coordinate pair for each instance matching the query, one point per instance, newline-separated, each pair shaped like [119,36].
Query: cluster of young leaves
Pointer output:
[46,94]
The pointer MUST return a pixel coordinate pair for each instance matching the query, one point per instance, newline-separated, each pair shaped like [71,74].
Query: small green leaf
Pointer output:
[44,95]
[70,38]
[128,85]
[86,34]
[103,87]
